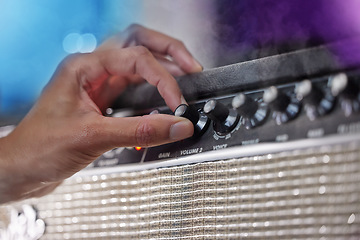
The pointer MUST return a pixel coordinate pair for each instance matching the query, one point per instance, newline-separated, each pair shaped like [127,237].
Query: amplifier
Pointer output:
[275,155]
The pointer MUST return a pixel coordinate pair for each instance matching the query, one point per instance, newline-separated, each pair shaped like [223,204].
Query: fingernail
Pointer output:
[197,66]
[183,101]
[181,130]
[154,112]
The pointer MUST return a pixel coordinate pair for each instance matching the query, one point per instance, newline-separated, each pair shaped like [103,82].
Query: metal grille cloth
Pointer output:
[299,194]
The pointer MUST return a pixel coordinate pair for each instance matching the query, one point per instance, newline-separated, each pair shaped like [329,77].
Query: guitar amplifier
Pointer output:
[275,155]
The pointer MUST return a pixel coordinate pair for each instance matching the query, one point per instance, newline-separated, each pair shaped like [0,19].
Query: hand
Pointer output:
[65,130]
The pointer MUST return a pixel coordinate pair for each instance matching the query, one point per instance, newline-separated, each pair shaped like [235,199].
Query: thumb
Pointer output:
[144,131]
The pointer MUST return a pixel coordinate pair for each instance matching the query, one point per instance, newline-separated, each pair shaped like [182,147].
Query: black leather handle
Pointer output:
[248,75]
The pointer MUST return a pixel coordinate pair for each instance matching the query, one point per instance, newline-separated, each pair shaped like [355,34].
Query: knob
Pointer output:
[285,107]
[252,113]
[316,102]
[347,91]
[224,119]
[200,121]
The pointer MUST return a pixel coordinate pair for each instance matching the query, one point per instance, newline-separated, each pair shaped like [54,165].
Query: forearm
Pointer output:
[65,130]
[13,185]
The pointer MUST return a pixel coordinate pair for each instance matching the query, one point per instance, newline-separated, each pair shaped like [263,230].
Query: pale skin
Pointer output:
[66,130]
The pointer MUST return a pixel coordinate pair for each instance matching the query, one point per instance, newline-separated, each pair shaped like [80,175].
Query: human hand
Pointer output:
[65,130]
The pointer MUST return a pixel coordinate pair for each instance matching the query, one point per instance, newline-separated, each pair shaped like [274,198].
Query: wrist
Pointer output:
[13,184]
[6,173]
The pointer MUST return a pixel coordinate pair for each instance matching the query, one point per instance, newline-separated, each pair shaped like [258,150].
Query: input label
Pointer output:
[164,155]
[190,151]
[314,133]
[222,146]
[349,128]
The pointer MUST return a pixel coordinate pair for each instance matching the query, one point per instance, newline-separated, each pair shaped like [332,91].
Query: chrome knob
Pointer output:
[252,112]
[316,102]
[347,91]
[200,121]
[285,107]
[224,119]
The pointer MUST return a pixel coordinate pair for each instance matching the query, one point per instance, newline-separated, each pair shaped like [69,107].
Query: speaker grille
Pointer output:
[311,193]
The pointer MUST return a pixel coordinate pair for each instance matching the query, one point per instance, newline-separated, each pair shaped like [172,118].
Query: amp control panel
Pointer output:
[305,109]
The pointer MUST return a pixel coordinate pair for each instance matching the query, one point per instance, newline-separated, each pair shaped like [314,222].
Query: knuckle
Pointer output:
[133,28]
[77,64]
[142,51]
[145,134]
[72,62]
[71,59]
[177,44]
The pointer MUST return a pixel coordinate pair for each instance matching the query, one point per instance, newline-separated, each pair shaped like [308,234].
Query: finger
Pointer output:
[166,45]
[114,86]
[117,41]
[169,65]
[93,70]
[144,131]
[138,60]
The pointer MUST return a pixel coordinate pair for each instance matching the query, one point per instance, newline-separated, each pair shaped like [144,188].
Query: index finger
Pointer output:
[139,60]
[91,69]
[156,42]
[166,45]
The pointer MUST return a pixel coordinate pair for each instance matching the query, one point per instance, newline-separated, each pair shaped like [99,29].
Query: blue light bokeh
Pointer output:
[32,37]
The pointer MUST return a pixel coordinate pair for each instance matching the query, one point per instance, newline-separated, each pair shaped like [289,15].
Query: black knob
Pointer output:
[199,120]
[224,119]
[308,93]
[285,107]
[316,102]
[252,112]
[347,91]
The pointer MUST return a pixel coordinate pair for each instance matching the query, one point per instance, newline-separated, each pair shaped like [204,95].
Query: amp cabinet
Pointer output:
[286,166]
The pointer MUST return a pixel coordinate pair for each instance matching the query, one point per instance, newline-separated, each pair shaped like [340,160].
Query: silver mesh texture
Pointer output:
[299,194]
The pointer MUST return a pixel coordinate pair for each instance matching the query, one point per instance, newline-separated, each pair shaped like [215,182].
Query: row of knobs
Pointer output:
[285,107]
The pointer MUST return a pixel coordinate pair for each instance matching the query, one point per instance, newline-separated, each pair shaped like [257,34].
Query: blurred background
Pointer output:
[36,35]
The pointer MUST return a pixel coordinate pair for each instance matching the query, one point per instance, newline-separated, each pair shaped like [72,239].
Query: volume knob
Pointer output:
[316,102]
[347,91]
[285,107]
[253,113]
[224,119]
[200,121]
